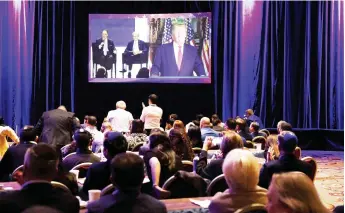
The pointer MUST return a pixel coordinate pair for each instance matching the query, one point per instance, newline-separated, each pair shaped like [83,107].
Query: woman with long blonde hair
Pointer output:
[293,192]
[272,148]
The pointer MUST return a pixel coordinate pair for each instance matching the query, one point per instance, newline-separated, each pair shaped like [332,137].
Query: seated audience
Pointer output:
[180,144]
[106,127]
[98,136]
[195,122]
[14,156]
[6,132]
[241,171]
[169,125]
[178,124]
[98,175]
[287,161]
[214,168]
[137,134]
[83,154]
[66,150]
[161,162]
[206,130]
[217,125]
[194,135]
[283,126]
[254,130]
[120,119]
[127,175]
[67,178]
[231,127]
[40,167]
[272,149]
[241,129]
[293,192]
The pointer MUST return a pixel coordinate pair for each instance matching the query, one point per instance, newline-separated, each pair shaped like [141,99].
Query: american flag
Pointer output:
[190,32]
[206,49]
[167,31]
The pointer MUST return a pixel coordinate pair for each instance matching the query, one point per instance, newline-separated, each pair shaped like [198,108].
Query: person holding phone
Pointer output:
[151,115]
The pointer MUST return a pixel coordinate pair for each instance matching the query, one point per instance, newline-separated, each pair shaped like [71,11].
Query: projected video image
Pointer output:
[156,48]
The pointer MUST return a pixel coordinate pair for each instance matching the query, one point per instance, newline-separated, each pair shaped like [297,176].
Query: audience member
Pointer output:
[272,149]
[206,130]
[66,150]
[173,116]
[293,192]
[210,171]
[283,126]
[169,125]
[98,136]
[194,135]
[250,117]
[241,172]
[14,156]
[6,131]
[287,161]
[83,154]
[254,130]
[137,134]
[120,119]
[178,124]
[127,175]
[217,125]
[195,122]
[98,175]
[161,162]
[241,129]
[56,127]
[106,127]
[180,144]
[40,167]
[85,122]
[151,115]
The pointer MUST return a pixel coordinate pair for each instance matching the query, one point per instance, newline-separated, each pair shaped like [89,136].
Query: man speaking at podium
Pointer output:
[177,58]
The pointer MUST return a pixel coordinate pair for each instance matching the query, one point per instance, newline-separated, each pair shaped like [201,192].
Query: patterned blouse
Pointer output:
[136,138]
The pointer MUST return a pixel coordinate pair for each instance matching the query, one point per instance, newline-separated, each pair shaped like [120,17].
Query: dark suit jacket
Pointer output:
[245,135]
[211,170]
[141,44]
[98,177]
[165,61]
[121,202]
[111,46]
[286,163]
[56,127]
[78,158]
[13,158]
[38,194]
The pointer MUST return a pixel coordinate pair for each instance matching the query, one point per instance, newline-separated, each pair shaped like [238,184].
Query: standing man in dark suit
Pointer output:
[135,51]
[56,127]
[14,156]
[287,161]
[106,50]
[40,168]
[177,58]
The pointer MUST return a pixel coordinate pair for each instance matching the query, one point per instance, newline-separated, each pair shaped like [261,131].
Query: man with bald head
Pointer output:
[206,129]
[56,127]
[135,52]
[120,119]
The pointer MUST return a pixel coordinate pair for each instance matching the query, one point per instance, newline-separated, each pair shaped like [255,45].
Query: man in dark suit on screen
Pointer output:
[177,58]
[106,50]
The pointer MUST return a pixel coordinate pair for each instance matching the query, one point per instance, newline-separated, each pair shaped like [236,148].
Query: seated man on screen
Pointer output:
[177,58]
[134,51]
[106,48]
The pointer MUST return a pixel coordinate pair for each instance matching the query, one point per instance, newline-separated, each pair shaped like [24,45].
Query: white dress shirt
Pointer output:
[151,116]
[105,47]
[98,136]
[135,46]
[176,48]
[120,120]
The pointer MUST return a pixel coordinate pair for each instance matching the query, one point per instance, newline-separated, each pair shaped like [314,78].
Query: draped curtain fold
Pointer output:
[16,47]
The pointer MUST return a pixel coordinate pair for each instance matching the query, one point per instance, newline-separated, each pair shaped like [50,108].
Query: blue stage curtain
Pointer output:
[16,46]
[54,57]
[283,59]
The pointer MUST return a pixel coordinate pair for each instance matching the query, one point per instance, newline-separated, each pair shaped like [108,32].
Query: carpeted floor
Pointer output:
[329,179]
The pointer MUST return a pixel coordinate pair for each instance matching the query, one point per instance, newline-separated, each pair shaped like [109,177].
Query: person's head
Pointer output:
[104,35]
[137,126]
[101,73]
[114,144]
[283,126]
[27,133]
[169,124]
[62,107]
[287,142]
[83,139]
[214,117]
[254,127]
[272,141]
[178,124]
[231,124]
[249,112]
[199,116]
[92,120]
[153,99]
[194,135]
[179,33]
[216,122]
[230,141]
[40,163]
[205,122]
[159,142]
[127,172]
[240,124]
[85,119]
[293,192]
[180,142]
[241,170]
[106,126]
[135,36]
[173,116]
[120,105]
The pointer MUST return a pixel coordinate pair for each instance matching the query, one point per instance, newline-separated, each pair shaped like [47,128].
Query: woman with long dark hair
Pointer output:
[180,144]
[194,135]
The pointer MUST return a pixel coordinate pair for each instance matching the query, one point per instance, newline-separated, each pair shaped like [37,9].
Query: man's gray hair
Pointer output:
[121,105]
